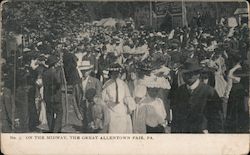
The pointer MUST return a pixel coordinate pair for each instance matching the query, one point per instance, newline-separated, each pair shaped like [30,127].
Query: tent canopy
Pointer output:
[109,22]
[239,11]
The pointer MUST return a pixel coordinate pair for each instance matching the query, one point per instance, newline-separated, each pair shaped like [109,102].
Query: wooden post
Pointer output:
[150,13]
[66,89]
[13,107]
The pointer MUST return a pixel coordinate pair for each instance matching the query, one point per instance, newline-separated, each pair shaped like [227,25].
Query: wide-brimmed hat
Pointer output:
[191,65]
[219,50]
[26,50]
[146,65]
[242,72]
[115,67]
[85,65]
[153,82]
[52,60]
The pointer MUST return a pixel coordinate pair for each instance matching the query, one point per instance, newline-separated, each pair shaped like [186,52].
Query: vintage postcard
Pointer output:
[124,77]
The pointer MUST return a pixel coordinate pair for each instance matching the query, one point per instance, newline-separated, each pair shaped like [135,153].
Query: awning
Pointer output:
[244,15]
[241,11]
[109,22]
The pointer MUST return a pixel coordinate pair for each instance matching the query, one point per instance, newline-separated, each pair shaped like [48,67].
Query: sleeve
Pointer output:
[128,100]
[126,89]
[75,59]
[59,77]
[163,111]
[230,80]
[107,98]
[97,112]
[105,95]
[228,88]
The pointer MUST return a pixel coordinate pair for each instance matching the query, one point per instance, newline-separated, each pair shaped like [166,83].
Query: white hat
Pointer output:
[26,49]
[39,43]
[85,65]
[105,72]
[156,82]
[151,34]
[159,34]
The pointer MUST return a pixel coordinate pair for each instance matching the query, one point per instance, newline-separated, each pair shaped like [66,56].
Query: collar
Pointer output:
[194,85]
[87,78]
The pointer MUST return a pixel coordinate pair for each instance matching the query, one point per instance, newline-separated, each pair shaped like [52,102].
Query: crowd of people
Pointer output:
[99,78]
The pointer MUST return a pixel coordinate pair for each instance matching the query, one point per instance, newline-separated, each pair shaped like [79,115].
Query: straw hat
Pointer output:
[85,65]
[115,67]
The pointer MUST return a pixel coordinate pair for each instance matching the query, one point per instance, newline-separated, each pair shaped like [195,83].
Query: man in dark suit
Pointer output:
[197,108]
[72,75]
[70,64]
[53,80]
[88,82]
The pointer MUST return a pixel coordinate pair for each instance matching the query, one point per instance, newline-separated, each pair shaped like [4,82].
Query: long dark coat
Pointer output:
[197,111]
[71,73]
[237,120]
[53,81]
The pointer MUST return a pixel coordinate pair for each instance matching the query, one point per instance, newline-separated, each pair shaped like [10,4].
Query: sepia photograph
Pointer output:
[124,67]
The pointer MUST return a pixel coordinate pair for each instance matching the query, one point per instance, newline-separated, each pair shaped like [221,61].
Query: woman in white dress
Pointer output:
[150,114]
[119,101]
[220,82]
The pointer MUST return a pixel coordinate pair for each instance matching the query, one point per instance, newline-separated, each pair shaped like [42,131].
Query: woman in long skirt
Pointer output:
[119,101]
[150,114]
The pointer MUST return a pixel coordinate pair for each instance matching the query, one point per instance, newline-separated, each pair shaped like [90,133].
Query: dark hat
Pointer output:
[52,60]
[218,51]
[42,57]
[146,65]
[158,59]
[191,65]
[174,43]
[115,67]
[207,69]
[242,72]
[30,55]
